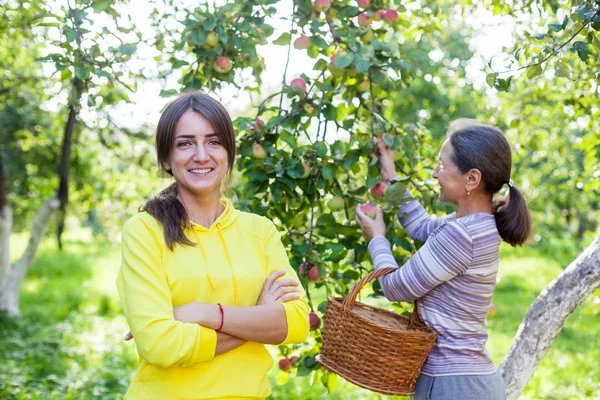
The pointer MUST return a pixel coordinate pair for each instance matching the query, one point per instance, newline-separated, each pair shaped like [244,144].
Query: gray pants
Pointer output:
[460,387]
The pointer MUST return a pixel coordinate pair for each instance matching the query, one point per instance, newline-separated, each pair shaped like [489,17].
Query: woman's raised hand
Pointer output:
[278,291]
[370,227]
[385,154]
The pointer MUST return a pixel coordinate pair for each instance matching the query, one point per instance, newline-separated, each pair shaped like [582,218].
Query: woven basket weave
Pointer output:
[373,348]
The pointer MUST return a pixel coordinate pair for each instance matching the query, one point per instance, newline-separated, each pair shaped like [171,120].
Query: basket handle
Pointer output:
[351,298]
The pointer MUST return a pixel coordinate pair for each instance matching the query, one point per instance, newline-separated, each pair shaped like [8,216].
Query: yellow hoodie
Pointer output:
[229,266]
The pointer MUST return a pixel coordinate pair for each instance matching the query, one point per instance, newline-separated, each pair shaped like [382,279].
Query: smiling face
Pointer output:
[198,160]
[452,181]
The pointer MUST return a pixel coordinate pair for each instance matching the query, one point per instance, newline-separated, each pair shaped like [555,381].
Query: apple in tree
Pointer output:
[285,364]
[314,320]
[258,125]
[258,151]
[211,40]
[321,5]
[313,273]
[222,65]
[390,15]
[306,167]
[303,42]
[364,85]
[368,36]
[363,3]
[369,209]
[378,191]
[298,85]
[363,19]
[336,203]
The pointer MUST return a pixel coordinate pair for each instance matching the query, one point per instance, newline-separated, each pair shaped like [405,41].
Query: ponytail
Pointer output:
[513,218]
[169,211]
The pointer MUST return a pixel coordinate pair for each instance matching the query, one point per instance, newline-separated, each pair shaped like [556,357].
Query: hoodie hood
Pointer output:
[223,222]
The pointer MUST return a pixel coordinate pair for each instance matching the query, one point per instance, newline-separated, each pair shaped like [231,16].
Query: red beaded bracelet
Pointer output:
[222,316]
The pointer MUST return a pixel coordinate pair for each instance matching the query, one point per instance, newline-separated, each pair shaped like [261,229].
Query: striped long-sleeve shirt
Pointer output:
[453,275]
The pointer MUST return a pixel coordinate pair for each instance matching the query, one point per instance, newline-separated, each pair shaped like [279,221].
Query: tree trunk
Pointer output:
[65,161]
[5,227]
[546,317]
[9,293]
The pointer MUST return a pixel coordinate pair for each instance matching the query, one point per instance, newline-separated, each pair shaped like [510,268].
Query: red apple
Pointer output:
[333,57]
[379,15]
[390,15]
[369,209]
[303,42]
[285,364]
[259,151]
[304,267]
[211,40]
[363,19]
[222,65]
[378,191]
[258,125]
[321,5]
[315,321]
[306,173]
[298,85]
[313,273]
[363,3]
[294,358]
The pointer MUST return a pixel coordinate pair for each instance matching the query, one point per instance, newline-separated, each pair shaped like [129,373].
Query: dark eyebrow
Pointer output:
[193,137]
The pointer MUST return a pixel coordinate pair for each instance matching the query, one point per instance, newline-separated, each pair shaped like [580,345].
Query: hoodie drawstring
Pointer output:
[208,277]
[235,289]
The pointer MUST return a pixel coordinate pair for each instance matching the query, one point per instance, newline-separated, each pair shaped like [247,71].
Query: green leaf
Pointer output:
[534,71]
[343,60]
[395,194]
[168,93]
[100,5]
[199,37]
[503,85]
[288,138]
[128,49]
[378,77]
[295,170]
[82,72]
[555,27]
[283,40]
[330,112]
[321,149]
[65,74]
[329,171]
[491,78]
[319,42]
[179,64]
[562,70]
[320,65]
[349,12]
[363,66]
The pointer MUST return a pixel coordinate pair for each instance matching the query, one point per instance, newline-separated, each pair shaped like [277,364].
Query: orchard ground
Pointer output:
[68,344]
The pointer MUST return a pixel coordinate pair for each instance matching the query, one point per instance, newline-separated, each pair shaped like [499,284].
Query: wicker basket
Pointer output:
[373,348]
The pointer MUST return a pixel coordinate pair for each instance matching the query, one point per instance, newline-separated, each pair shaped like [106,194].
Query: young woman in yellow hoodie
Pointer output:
[204,286]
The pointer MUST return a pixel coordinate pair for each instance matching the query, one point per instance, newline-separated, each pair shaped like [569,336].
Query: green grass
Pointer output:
[68,342]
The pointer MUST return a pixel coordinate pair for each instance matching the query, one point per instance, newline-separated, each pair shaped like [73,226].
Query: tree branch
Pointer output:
[557,49]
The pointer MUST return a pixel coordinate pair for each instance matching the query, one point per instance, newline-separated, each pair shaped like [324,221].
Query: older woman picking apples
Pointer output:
[204,286]
[453,275]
